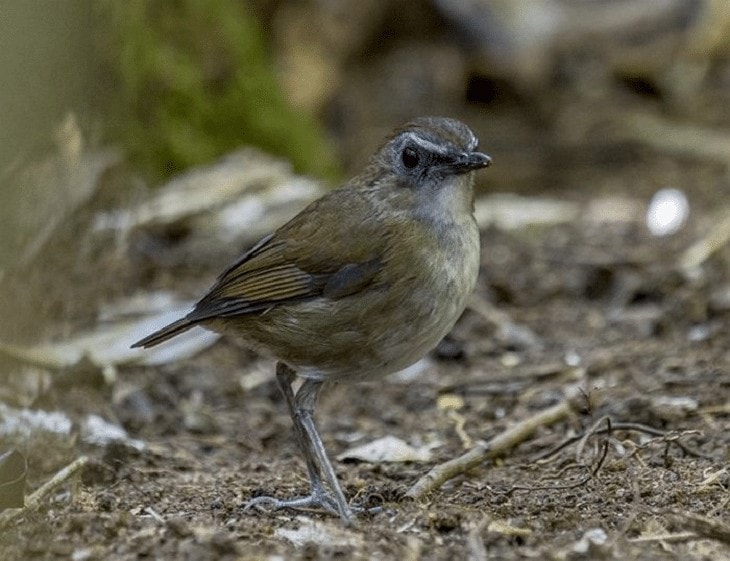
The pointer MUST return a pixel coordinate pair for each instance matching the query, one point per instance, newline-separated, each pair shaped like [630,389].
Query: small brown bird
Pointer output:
[363,282]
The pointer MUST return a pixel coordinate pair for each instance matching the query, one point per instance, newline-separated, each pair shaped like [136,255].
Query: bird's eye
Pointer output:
[410,157]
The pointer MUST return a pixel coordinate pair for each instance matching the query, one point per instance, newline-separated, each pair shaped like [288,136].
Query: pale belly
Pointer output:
[381,330]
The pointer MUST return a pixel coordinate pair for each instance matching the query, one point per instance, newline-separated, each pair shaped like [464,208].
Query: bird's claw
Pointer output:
[315,501]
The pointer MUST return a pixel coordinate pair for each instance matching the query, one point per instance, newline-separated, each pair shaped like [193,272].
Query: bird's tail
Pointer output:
[167,332]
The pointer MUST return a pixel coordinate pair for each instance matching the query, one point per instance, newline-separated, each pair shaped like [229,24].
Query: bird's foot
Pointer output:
[319,499]
[315,501]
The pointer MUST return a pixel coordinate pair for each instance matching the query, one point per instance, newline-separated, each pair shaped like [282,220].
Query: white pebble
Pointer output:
[667,213]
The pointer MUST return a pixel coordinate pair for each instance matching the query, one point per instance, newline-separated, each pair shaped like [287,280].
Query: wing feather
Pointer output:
[304,259]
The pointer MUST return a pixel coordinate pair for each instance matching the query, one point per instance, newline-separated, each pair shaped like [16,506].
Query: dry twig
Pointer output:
[670,538]
[678,138]
[702,526]
[499,445]
[592,471]
[663,436]
[717,238]
[41,494]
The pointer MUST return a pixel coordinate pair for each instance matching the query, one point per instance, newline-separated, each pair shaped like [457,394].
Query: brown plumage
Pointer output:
[364,281]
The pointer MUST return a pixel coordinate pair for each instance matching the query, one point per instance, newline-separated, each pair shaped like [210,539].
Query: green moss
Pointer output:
[191,80]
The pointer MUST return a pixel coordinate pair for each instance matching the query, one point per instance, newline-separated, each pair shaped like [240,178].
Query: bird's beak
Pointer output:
[473,160]
[458,163]
[468,161]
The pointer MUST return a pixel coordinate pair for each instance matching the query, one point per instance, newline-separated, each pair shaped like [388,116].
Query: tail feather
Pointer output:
[167,332]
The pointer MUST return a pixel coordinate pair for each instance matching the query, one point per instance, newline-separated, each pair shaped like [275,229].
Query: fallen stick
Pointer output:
[700,251]
[34,500]
[669,538]
[673,137]
[574,401]
[703,526]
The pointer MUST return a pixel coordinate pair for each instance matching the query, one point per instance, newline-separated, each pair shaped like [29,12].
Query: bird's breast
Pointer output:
[414,301]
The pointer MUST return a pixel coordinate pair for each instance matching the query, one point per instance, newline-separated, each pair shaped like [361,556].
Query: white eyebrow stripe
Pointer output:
[427,144]
[473,142]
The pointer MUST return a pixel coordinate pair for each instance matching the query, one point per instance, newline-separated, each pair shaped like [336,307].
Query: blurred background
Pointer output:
[554,88]
[144,144]
[559,91]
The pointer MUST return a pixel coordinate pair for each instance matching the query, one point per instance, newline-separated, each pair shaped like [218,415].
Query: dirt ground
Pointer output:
[609,312]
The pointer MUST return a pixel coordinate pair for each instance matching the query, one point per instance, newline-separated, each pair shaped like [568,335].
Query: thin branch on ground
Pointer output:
[574,401]
[41,494]
[671,538]
[702,525]
[592,431]
[592,471]
[717,238]
[667,436]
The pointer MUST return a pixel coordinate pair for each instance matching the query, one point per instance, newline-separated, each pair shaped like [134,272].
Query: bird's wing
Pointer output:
[313,255]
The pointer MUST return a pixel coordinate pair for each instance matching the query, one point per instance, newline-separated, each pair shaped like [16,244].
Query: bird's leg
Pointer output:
[304,402]
[301,408]
[284,378]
